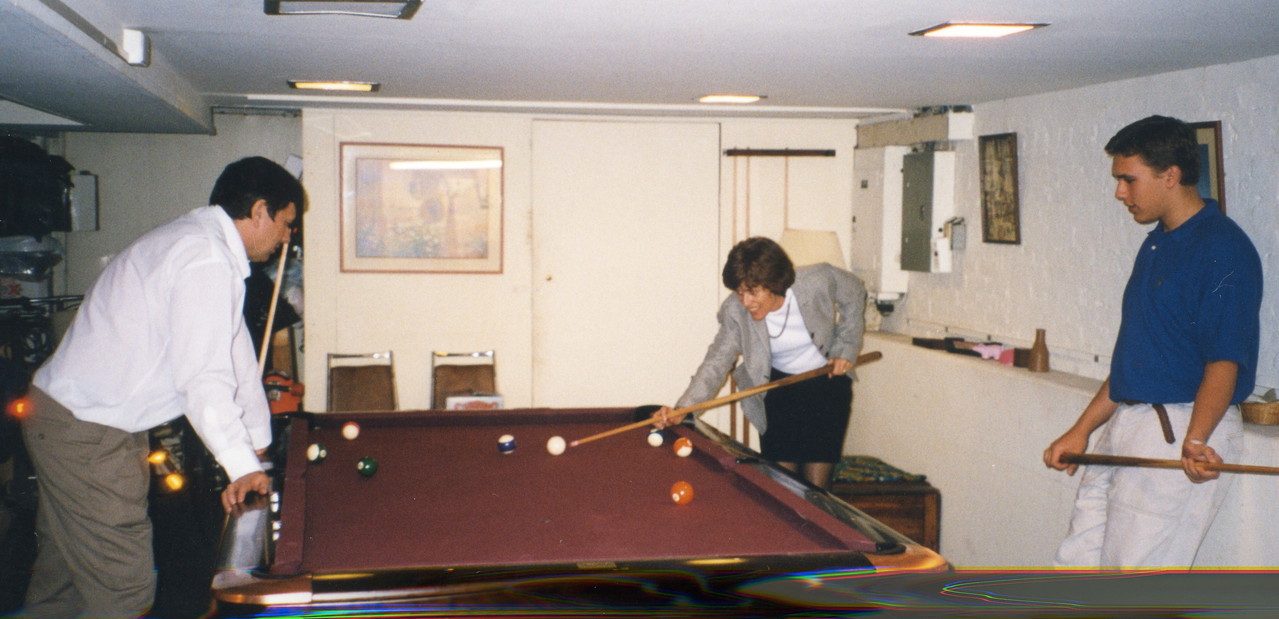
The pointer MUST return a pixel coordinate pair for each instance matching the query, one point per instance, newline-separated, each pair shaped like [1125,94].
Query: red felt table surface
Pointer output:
[444,496]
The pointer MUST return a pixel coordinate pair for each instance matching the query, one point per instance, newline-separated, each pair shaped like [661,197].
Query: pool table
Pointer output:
[448,514]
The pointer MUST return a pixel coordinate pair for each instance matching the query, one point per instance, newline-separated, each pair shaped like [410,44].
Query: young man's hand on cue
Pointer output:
[664,419]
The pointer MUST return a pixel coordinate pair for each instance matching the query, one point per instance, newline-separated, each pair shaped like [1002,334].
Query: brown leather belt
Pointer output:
[1164,422]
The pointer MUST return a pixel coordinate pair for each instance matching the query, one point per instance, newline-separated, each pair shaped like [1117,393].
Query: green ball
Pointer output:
[366,466]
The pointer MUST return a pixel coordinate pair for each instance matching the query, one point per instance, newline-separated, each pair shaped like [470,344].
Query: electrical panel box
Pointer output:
[877,207]
[928,201]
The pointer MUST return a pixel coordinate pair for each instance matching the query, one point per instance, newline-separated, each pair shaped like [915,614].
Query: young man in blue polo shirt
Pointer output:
[1186,355]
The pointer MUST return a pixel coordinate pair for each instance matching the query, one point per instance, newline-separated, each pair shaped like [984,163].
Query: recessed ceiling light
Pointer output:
[329,85]
[395,9]
[730,98]
[975,30]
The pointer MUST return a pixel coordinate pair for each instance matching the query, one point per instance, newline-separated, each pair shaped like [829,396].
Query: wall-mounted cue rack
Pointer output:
[778,152]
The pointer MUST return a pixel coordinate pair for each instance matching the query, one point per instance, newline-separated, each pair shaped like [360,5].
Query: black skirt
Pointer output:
[807,420]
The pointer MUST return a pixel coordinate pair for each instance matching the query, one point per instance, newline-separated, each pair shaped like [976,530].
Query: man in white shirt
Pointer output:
[160,334]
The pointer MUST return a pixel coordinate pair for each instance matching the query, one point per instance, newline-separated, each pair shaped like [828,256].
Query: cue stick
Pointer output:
[270,314]
[732,397]
[1073,458]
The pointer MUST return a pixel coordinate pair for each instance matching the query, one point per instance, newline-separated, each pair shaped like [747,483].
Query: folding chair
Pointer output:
[462,374]
[362,382]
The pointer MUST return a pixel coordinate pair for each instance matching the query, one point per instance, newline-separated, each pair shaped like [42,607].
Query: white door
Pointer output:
[625,259]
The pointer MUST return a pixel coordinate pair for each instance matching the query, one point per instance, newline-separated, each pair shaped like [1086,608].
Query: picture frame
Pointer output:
[1212,177]
[421,208]
[1000,202]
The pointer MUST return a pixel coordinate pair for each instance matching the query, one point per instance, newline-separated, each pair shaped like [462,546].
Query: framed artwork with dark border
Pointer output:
[1212,178]
[421,208]
[1000,206]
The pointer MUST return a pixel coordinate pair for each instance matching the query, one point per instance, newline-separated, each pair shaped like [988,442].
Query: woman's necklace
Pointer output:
[784,322]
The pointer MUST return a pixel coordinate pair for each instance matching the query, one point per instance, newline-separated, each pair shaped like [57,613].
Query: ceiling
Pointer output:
[827,58]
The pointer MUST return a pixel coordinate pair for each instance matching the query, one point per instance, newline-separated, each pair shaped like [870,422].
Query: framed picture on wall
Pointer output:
[1000,208]
[1211,177]
[421,208]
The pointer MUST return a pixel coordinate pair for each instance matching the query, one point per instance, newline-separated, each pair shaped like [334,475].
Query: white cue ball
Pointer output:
[316,452]
[350,430]
[655,438]
[556,445]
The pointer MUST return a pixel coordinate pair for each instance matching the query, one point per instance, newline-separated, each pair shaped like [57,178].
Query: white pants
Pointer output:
[1135,517]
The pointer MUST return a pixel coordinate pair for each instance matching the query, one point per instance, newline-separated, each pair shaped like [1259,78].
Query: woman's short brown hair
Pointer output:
[759,261]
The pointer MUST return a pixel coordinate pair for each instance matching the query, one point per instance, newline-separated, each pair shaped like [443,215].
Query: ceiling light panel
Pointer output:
[394,9]
[332,85]
[976,30]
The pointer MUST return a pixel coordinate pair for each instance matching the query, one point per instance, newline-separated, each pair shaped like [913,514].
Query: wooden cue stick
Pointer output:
[270,314]
[1072,458]
[732,397]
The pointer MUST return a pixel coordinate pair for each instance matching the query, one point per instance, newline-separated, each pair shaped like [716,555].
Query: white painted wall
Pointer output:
[145,180]
[977,430]
[1078,243]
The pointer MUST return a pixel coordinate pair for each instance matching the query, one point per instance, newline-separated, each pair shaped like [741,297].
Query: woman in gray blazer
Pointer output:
[783,321]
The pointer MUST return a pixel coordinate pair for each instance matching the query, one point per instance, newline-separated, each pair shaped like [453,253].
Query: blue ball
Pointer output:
[506,443]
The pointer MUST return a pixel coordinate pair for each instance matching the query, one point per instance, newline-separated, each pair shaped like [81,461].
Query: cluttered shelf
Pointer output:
[967,351]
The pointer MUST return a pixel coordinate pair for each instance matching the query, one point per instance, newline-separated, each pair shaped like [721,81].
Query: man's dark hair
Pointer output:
[248,180]
[1161,142]
[759,261]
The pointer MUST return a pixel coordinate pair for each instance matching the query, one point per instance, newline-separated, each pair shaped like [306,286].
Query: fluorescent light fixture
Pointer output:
[394,9]
[730,98]
[330,85]
[450,164]
[135,46]
[975,30]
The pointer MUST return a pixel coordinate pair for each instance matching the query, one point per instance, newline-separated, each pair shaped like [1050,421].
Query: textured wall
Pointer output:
[1077,241]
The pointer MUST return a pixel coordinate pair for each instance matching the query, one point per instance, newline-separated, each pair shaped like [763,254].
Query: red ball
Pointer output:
[682,493]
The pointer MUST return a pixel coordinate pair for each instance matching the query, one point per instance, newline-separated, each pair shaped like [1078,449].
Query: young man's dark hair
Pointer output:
[1162,142]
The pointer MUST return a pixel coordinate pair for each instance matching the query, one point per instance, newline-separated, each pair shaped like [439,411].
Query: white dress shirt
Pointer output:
[161,333]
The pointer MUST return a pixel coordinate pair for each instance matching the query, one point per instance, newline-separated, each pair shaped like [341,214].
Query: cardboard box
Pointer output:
[472,402]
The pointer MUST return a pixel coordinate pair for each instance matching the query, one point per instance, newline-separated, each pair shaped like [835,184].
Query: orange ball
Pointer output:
[682,493]
[682,447]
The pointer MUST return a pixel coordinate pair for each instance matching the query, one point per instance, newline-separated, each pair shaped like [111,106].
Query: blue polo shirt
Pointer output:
[1194,297]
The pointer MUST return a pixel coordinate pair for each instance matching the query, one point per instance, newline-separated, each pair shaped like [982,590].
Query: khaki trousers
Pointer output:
[1135,517]
[94,557]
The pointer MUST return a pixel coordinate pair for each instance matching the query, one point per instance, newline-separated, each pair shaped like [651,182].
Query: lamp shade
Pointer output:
[812,246]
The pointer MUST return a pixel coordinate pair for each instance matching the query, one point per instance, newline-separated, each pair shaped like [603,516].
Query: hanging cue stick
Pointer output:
[270,314]
[1072,458]
[732,397]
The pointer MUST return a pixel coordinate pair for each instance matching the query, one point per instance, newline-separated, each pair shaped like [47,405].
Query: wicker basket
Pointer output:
[1261,413]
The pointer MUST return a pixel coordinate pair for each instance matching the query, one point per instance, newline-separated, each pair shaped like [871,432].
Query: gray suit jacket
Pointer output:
[832,302]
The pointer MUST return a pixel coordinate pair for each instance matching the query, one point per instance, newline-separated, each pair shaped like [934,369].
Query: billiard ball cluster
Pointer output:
[317,452]
[681,492]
